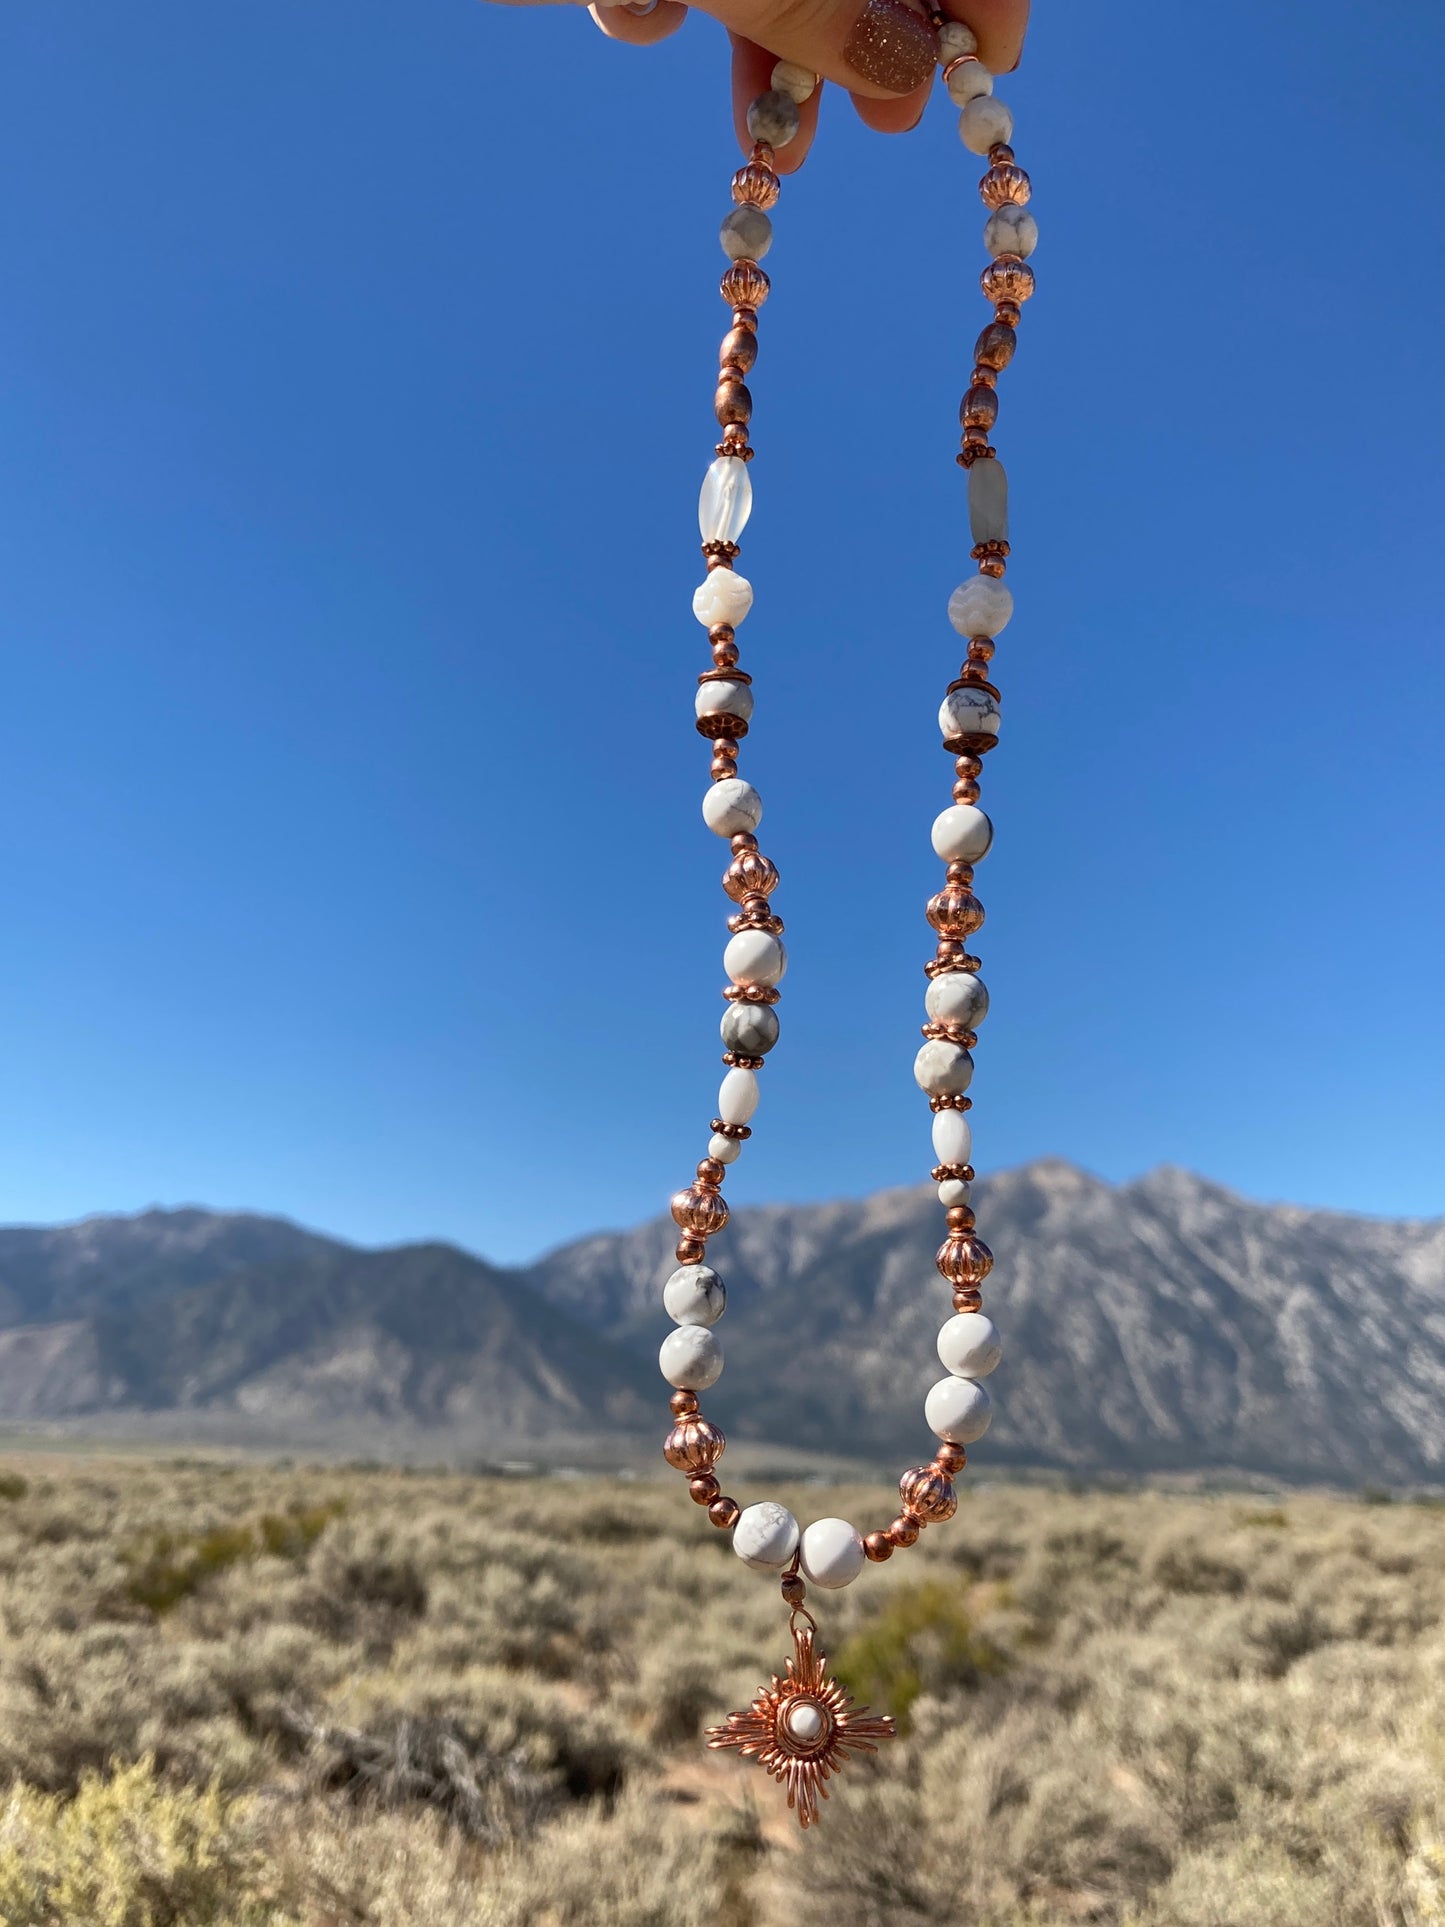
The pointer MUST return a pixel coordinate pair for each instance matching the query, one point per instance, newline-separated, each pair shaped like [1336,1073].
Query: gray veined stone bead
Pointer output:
[1011,229]
[694,1295]
[750,1029]
[773,117]
[956,997]
[691,1358]
[988,501]
[746,234]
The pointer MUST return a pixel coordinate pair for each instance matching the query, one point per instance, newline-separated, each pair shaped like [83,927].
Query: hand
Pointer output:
[883,51]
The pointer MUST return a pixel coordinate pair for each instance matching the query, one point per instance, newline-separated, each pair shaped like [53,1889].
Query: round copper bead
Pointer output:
[1006,313]
[732,402]
[693,1445]
[682,1404]
[979,407]
[750,874]
[950,1459]
[745,285]
[964,1260]
[878,1546]
[967,1298]
[709,1171]
[755,186]
[955,912]
[703,1489]
[926,1492]
[793,1589]
[724,1512]
[689,1251]
[961,1216]
[700,1210]
[904,1531]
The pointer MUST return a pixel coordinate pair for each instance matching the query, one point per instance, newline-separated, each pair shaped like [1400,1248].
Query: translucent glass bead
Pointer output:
[988,501]
[979,607]
[746,233]
[967,82]
[1011,229]
[984,122]
[726,500]
[726,596]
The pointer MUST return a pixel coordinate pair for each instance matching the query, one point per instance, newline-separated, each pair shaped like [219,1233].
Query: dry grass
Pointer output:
[324,1698]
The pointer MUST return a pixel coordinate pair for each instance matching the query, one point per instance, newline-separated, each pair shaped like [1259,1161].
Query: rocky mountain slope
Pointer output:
[1156,1326]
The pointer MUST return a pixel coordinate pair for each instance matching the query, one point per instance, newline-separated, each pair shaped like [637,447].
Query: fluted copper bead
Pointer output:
[703,1489]
[878,1546]
[1004,185]
[955,912]
[926,1492]
[979,408]
[700,1209]
[1008,279]
[964,1260]
[750,874]
[904,1531]
[693,1445]
[745,285]
[755,186]
[724,1512]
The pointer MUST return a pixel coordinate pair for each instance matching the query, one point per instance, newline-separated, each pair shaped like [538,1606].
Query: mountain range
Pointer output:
[1166,1325]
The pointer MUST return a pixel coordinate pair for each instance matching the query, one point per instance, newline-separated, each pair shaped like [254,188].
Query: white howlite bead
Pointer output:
[961,834]
[959,1410]
[984,122]
[988,501]
[952,1138]
[738,1096]
[726,596]
[953,1191]
[969,711]
[724,699]
[746,233]
[732,806]
[691,1358]
[955,40]
[956,997]
[831,1554]
[773,117]
[979,607]
[1011,230]
[765,1536]
[756,957]
[694,1295]
[806,1720]
[725,1149]
[794,81]
[969,82]
[943,1069]
[726,500]
[969,1345]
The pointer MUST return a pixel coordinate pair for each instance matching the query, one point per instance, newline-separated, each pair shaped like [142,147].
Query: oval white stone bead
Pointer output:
[725,1149]
[969,711]
[738,1096]
[961,834]
[694,1295]
[1011,230]
[691,1358]
[968,82]
[952,1138]
[831,1553]
[746,233]
[726,596]
[984,122]
[953,1191]
[724,699]
[988,501]
[959,1410]
[756,957]
[733,806]
[765,1536]
[725,501]
[969,1345]
[979,607]
[943,1069]
[956,997]
[955,40]
[794,81]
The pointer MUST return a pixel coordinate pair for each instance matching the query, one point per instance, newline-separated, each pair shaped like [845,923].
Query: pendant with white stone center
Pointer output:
[801,1728]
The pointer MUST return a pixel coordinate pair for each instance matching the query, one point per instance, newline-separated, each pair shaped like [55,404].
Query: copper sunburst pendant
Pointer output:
[801,1728]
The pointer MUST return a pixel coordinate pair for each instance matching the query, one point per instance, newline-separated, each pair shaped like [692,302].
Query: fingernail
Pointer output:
[892,46]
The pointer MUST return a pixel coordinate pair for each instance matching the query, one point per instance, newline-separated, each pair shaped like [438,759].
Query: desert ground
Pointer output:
[336,1697]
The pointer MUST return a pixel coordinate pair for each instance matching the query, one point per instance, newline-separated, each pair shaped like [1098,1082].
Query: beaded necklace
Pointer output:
[802,1726]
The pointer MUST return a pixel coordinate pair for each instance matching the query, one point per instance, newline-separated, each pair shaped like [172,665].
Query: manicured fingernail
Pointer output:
[892,46]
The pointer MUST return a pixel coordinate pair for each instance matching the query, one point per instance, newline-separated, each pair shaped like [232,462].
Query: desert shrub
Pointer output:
[922,1640]
[12,1486]
[170,1566]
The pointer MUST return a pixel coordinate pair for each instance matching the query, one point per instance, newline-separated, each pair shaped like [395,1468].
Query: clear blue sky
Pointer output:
[355,376]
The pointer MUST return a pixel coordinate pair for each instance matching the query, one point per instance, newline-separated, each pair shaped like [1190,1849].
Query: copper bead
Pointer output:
[926,1492]
[682,1403]
[955,912]
[904,1531]
[755,186]
[690,1251]
[724,1512]
[1008,278]
[878,1547]
[750,874]
[732,402]
[739,349]
[1005,185]
[700,1210]
[979,407]
[703,1489]
[693,1445]
[745,285]
[964,1260]
[950,1459]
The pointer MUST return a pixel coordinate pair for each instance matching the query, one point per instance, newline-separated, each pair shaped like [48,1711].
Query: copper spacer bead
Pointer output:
[694,1444]
[927,1494]
[722,724]
[959,871]
[983,377]
[967,1298]
[721,632]
[961,1217]
[735,1060]
[739,1131]
[904,1531]
[683,1404]
[1006,314]
[700,1210]
[878,1547]
[703,1489]
[1000,152]
[964,1259]
[725,656]
[689,1251]
[979,407]
[756,185]
[950,1459]
[724,1513]
[961,1173]
[744,285]
[710,1172]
